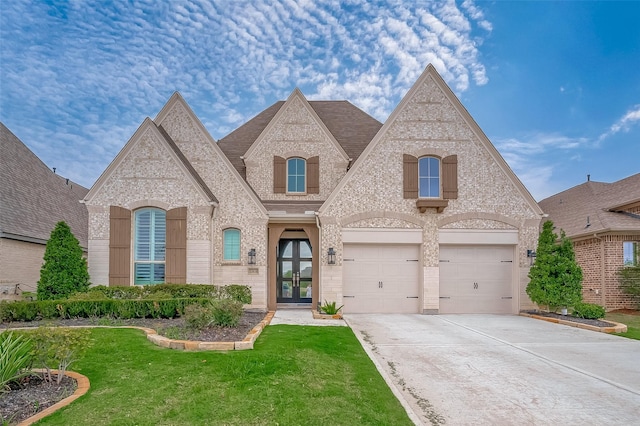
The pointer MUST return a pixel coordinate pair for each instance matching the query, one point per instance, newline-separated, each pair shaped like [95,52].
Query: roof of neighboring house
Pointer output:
[33,198]
[594,207]
[352,128]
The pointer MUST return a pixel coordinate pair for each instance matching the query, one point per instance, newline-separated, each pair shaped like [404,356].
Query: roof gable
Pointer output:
[404,107]
[174,153]
[180,132]
[295,97]
[33,198]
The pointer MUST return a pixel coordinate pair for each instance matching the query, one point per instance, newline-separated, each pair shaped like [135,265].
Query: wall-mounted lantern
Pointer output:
[532,256]
[252,256]
[331,256]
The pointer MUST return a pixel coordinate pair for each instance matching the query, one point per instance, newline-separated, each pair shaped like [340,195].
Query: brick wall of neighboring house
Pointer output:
[487,198]
[600,260]
[20,263]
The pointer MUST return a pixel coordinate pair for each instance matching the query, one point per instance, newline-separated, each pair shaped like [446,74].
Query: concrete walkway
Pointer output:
[504,370]
[302,317]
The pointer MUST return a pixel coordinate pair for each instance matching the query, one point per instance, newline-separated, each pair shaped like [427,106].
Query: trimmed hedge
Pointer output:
[241,293]
[114,308]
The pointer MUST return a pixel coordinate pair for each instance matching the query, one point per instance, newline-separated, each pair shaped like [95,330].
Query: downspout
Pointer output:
[602,265]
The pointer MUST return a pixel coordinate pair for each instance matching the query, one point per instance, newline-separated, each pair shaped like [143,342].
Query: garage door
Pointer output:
[476,279]
[381,278]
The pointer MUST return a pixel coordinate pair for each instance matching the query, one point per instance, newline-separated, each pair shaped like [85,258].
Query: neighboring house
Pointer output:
[314,201]
[32,200]
[603,221]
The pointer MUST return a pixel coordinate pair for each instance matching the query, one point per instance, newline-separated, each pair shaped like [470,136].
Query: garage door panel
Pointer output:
[382,278]
[476,279]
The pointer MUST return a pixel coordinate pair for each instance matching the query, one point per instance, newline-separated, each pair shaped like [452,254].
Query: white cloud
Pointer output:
[624,124]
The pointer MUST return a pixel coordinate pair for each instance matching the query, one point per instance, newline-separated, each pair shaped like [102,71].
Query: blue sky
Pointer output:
[554,85]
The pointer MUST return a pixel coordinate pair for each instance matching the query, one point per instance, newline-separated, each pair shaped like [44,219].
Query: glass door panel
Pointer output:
[294,271]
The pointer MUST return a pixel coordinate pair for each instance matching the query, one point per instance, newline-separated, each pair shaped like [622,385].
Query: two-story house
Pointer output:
[316,200]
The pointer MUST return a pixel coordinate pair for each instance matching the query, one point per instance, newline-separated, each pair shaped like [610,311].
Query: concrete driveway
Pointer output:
[503,370]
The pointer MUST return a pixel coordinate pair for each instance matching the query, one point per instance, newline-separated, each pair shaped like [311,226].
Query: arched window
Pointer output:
[429,177]
[149,246]
[231,244]
[296,175]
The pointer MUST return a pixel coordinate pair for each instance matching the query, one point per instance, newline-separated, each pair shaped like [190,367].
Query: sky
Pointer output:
[554,85]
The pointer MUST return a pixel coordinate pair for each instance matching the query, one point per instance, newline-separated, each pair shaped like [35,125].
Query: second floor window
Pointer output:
[296,175]
[149,246]
[429,177]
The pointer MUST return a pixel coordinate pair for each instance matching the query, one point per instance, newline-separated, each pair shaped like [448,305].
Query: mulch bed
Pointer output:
[33,394]
[596,323]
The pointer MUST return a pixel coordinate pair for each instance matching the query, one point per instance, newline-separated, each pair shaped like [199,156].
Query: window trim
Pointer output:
[306,171]
[429,177]
[239,245]
[152,245]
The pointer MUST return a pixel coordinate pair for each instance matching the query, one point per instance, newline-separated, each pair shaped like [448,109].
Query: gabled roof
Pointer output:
[351,127]
[33,198]
[187,168]
[595,207]
[431,72]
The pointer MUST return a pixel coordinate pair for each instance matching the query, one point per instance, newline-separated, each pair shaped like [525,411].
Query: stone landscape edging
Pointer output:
[83,385]
[318,315]
[617,328]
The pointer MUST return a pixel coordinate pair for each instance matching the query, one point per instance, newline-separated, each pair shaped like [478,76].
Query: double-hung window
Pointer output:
[231,243]
[429,177]
[149,246]
[296,175]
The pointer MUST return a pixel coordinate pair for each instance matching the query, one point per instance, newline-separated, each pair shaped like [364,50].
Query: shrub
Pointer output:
[58,347]
[588,311]
[198,316]
[92,294]
[64,270]
[15,358]
[226,312]
[555,277]
[240,293]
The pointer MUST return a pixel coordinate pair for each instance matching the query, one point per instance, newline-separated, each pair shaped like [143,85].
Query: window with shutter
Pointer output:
[149,246]
[296,175]
[429,177]
[231,244]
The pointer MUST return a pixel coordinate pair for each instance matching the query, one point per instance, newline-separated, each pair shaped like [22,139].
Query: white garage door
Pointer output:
[381,278]
[476,279]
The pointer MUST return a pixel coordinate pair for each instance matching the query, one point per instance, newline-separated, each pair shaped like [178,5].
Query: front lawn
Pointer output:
[295,375]
[631,321]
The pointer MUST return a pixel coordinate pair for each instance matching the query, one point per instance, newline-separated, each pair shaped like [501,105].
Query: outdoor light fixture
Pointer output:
[532,256]
[252,256]
[331,256]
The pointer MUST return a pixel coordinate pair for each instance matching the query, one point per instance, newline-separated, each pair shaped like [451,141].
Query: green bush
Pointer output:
[64,270]
[198,316]
[15,358]
[58,347]
[330,308]
[588,311]
[240,293]
[121,309]
[237,292]
[92,294]
[226,312]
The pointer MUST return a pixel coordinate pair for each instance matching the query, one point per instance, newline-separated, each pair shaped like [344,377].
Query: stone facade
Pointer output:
[367,197]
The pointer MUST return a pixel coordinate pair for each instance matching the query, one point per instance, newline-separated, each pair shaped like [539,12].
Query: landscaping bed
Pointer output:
[33,394]
[593,322]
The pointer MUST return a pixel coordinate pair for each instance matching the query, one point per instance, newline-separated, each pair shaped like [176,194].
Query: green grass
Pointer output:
[295,375]
[631,321]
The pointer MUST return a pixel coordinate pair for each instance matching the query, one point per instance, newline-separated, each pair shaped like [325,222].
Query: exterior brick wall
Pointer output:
[600,260]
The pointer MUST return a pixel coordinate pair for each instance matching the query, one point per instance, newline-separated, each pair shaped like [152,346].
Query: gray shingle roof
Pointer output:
[33,198]
[349,125]
[594,201]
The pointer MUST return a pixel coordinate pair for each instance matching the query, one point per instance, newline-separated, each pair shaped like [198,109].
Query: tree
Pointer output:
[555,277]
[64,270]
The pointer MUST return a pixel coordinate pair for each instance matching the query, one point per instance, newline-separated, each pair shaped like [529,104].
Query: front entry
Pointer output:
[294,271]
